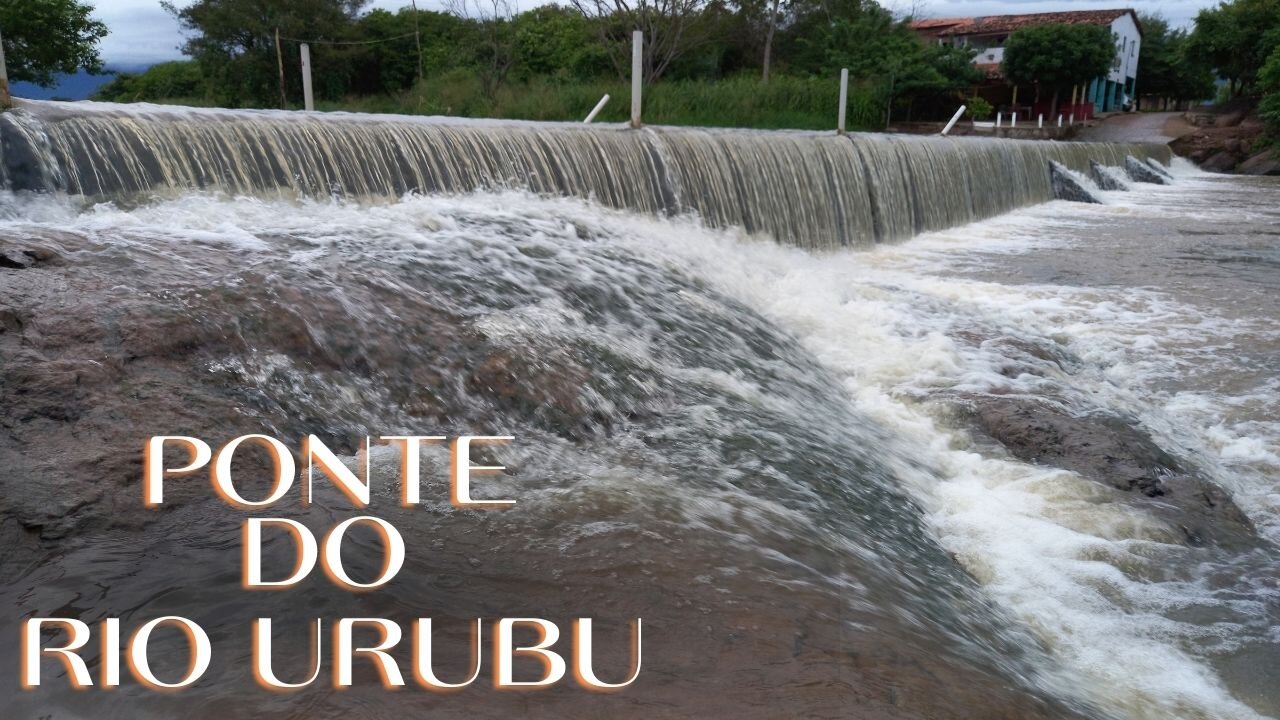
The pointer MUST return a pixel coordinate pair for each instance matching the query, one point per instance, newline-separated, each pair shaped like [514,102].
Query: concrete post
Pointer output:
[1040,121]
[637,75]
[1072,121]
[844,100]
[308,101]
[6,101]
[999,118]
[1059,119]
[1013,119]
[596,110]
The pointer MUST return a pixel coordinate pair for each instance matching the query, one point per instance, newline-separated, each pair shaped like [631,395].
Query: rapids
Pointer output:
[1022,467]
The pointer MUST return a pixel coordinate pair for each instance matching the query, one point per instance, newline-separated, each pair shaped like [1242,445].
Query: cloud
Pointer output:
[143,33]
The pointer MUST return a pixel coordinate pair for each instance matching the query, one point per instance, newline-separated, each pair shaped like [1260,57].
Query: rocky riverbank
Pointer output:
[1230,140]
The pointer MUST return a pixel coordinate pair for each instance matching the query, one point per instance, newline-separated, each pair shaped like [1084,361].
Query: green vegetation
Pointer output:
[704,61]
[783,102]
[1269,84]
[1236,38]
[1168,70]
[1241,41]
[1053,57]
[45,37]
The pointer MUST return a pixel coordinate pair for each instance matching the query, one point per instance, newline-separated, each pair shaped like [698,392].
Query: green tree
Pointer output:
[1236,38]
[1269,84]
[180,79]
[45,37]
[1168,70]
[1058,56]
[234,42]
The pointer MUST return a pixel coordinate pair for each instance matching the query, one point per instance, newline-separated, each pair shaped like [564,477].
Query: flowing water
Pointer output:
[1022,467]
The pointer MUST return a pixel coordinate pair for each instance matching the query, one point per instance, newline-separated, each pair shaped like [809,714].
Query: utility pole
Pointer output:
[6,101]
[417,36]
[284,103]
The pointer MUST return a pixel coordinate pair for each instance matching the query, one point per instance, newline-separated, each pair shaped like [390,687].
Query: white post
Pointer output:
[637,60]
[1072,121]
[1013,120]
[1040,122]
[1059,119]
[999,117]
[308,101]
[5,101]
[596,110]
[954,119]
[844,100]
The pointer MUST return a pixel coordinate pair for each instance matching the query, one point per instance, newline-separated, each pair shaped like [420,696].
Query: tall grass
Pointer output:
[783,102]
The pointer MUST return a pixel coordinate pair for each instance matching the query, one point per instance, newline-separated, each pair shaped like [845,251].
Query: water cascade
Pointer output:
[805,188]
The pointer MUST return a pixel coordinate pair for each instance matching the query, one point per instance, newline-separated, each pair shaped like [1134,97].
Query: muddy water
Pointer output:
[1024,468]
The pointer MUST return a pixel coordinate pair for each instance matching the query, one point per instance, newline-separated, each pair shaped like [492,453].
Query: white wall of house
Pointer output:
[1128,43]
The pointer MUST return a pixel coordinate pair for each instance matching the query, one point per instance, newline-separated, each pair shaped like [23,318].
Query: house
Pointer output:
[988,34]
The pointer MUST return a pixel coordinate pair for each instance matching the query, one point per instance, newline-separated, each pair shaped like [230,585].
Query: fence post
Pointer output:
[596,110]
[1013,119]
[842,115]
[1072,121]
[284,103]
[637,75]
[999,117]
[308,101]
[1040,122]
[954,119]
[1059,119]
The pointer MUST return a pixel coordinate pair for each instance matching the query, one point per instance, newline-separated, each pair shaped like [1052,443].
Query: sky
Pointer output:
[142,33]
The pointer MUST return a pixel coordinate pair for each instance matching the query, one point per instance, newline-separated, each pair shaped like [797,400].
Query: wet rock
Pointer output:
[1222,161]
[1103,178]
[1161,169]
[1067,187]
[1138,171]
[1115,452]
[1264,163]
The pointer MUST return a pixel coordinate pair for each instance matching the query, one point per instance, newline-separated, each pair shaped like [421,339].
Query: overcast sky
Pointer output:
[143,33]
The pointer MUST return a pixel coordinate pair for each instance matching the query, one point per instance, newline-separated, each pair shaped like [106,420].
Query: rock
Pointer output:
[1103,178]
[1139,171]
[1067,187]
[1110,450]
[1231,119]
[1221,162]
[1266,162]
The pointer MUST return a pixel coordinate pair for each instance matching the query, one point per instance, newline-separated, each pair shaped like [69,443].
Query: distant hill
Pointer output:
[72,87]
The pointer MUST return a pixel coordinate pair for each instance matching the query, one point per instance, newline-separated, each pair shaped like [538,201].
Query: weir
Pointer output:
[810,189]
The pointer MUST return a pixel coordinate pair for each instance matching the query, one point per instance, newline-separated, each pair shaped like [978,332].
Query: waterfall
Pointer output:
[810,189]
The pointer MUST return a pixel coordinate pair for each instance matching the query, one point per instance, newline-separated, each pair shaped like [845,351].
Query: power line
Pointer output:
[350,42]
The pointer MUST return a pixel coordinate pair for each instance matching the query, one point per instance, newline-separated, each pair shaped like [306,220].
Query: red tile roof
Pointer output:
[990,24]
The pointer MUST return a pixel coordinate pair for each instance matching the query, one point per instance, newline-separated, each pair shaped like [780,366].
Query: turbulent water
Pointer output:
[808,189]
[1025,467]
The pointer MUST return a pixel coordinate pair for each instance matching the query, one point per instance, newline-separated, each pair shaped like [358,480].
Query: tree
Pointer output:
[1058,56]
[45,37]
[1168,71]
[496,46]
[1236,38]
[234,42]
[1269,83]
[672,28]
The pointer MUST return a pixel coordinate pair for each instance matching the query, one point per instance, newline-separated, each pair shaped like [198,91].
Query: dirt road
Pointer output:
[1138,127]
